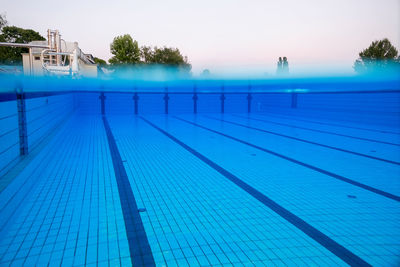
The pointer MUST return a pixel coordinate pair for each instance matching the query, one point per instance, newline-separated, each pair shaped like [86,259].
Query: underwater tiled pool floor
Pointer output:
[206,189]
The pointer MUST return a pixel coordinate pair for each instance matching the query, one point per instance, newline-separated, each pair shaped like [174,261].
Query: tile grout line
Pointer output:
[328,173]
[305,141]
[316,130]
[291,118]
[328,243]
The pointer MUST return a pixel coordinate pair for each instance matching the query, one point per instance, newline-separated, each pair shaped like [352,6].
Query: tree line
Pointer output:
[125,50]
[12,34]
[381,55]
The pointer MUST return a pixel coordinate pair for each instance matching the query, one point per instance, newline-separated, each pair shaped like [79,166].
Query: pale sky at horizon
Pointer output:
[222,35]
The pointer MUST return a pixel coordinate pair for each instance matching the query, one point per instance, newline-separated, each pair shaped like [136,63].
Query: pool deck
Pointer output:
[206,189]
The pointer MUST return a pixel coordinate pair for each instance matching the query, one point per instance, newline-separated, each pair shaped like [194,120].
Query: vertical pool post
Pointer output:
[195,97]
[249,97]
[103,108]
[222,100]
[294,100]
[166,98]
[22,125]
[136,100]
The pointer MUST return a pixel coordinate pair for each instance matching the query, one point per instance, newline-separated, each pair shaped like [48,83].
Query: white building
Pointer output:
[56,57]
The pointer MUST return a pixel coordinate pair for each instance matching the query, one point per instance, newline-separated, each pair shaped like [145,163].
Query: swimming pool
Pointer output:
[212,177]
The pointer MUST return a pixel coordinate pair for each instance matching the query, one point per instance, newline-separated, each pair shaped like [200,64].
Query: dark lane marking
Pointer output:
[331,245]
[331,174]
[306,141]
[139,247]
[321,131]
[288,117]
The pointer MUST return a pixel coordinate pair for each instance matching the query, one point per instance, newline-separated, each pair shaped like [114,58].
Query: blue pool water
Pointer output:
[184,177]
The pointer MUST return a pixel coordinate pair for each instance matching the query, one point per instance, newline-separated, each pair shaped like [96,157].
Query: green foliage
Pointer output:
[3,21]
[282,66]
[146,54]
[12,55]
[205,73]
[165,56]
[125,50]
[377,57]
[100,62]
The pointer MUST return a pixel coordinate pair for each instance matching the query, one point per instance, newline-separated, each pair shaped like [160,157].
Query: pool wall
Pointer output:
[45,111]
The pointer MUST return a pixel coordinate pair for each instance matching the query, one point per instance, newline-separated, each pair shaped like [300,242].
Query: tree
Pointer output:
[147,54]
[125,50]
[279,66]
[205,73]
[3,21]
[282,66]
[377,57]
[285,65]
[12,34]
[165,56]
[169,56]
[100,62]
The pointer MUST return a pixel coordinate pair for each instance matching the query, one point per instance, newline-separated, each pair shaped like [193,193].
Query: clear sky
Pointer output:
[222,34]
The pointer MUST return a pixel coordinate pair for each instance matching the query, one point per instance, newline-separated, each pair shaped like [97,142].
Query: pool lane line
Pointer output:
[328,173]
[328,243]
[306,141]
[139,248]
[288,117]
[320,131]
